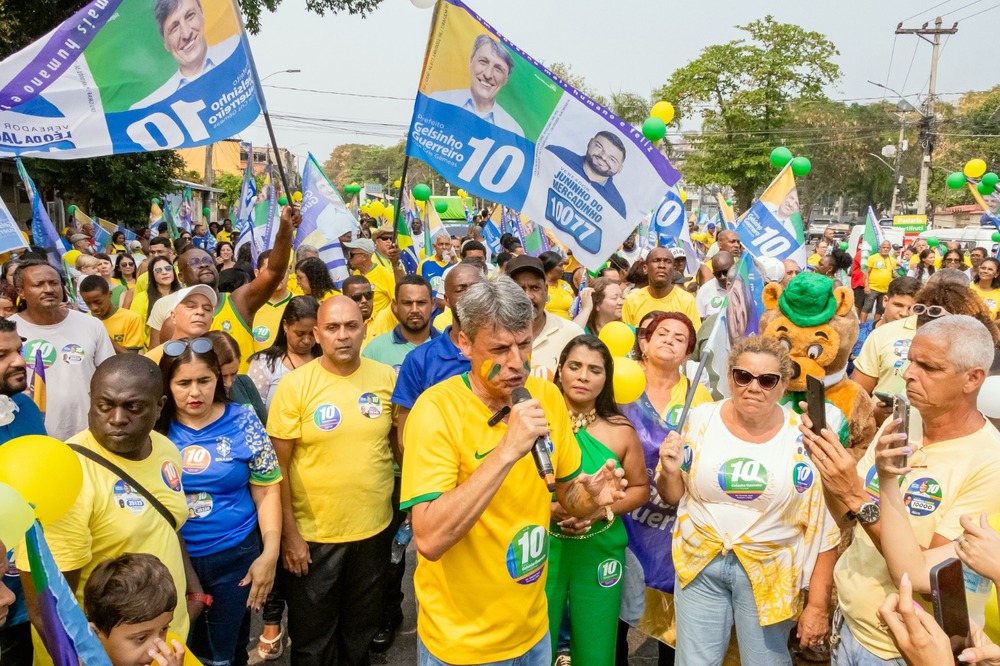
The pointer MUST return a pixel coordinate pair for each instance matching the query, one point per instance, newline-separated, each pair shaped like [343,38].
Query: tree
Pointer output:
[252,9]
[364,163]
[230,184]
[742,90]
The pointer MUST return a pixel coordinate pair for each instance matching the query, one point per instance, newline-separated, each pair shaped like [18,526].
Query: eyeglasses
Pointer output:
[932,311]
[159,270]
[952,260]
[197,345]
[364,295]
[766,381]
[195,263]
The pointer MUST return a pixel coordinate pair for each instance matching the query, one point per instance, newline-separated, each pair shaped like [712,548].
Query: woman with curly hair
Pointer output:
[314,279]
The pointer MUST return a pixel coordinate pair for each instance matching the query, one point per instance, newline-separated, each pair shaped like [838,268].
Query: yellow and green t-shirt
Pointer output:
[383,282]
[560,299]
[990,296]
[484,599]
[228,319]
[881,270]
[640,302]
[126,328]
[267,322]
[341,468]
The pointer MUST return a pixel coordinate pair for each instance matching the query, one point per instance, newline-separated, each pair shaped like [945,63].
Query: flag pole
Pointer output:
[399,201]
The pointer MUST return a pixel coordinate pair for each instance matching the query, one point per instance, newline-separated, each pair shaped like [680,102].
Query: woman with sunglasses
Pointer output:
[314,279]
[601,303]
[162,282]
[752,526]
[955,259]
[582,546]
[123,278]
[294,346]
[230,475]
[986,284]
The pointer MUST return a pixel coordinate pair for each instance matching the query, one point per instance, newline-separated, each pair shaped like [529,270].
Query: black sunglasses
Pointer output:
[766,381]
[364,295]
[197,345]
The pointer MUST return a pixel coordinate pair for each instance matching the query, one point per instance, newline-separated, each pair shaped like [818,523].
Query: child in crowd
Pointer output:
[130,603]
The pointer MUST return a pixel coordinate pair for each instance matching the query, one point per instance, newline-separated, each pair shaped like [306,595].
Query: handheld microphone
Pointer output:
[540,451]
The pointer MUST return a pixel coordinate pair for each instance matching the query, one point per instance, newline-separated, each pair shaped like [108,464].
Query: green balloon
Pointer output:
[991,178]
[996,237]
[956,180]
[801,166]
[440,206]
[932,241]
[71,210]
[844,246]
[282,200]
[729,202]
[156,201]
[654,129]
[985,188]
[206,211]
[780,156]
[422,192]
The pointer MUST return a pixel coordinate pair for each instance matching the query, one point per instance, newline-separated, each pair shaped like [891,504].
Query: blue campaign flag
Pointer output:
[670,228]
[248,199]
[42,230]
[492,236]
[325,217]
[773,226]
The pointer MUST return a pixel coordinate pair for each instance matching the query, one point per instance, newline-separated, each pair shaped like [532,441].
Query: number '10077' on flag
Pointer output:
[491,119]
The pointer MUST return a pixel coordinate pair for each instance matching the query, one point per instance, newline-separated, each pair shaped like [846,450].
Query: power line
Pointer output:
[345,94]
[978,13]
[925,11]
[952,11]
[892,54]
[916,45]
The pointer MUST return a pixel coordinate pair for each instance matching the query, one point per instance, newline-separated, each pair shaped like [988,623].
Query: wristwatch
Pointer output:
[867,514]
[200,596]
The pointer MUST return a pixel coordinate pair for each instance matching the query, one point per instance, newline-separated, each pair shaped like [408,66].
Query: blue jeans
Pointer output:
[849,652]
[539,655]
[706,610]
[220,635]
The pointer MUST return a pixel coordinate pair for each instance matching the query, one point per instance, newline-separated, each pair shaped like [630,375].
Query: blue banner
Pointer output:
[43,232]
[495,122]
[325,218]
[773,226]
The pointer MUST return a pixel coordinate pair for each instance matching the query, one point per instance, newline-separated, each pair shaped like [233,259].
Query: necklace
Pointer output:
[581,421]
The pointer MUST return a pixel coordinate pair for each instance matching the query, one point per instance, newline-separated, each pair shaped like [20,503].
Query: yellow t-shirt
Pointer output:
[992,627]
[224,236]
[639,303]
[341,469]
[484,599]
[991,297]
[881,270]
[383,322]
[140,307]
[959,478]
[267,323]
[383,282]
[293,285]
[229,320]
[813,260]
[560,299]
[126,328]
[141,283]
[109,518]
[678,394]
[444,320]
[884,354]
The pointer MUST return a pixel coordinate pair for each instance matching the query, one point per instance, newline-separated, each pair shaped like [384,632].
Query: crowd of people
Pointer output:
[256,438]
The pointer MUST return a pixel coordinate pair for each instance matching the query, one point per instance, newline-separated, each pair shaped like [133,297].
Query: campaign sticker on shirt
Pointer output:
[370,405]
[527,553]
[922,497]
[171,476]
[901,350]
[223,447]
[199,505]
[688,458]
[195,459]
[674,415]
[871,483]
[49,354]
[261,334]
[326,417]
[127,498]
[609,572]
[73,354]
[743,479]
[802,477]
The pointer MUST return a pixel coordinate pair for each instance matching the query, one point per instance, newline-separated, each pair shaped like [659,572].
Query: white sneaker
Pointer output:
[562,660]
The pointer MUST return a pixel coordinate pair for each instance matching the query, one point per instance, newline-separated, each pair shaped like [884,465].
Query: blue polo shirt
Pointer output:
[392,348]
[425,366]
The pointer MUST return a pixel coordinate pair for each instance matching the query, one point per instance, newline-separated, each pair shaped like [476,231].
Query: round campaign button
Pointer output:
[199,505]
[609,572]
[127,498]
[73,354]
[370,405]
[31,349]
[326,417]
[922,497]
[871,483]
[802,477]
[171,477]
[195,459]
[687,459]
[527,553]
[743,479]
[261,333]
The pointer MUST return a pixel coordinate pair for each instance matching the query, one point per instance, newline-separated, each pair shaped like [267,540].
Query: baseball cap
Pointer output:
[525,263]
[678,253]
[78,237]
[379,232]
[366,245]
[202,289]
[135,245]
[772,268]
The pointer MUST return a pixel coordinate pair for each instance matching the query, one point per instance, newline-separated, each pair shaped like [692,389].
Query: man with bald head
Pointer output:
[331,424]
[726,241]
[661,294]
[712,294]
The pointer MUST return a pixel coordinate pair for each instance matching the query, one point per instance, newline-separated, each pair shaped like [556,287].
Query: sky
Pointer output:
[628,45]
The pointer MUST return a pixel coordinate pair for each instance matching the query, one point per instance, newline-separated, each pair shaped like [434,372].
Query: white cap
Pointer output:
[988,401]
[364,244]
[772,268]
[678,253]
[202,289]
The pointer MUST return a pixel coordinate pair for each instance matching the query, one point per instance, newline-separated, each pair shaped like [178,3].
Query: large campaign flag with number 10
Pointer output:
[494,121]
[126,76]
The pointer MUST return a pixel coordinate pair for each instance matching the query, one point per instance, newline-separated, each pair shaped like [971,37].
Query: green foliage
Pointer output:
[252,9]
[231,184]
[355,162]
[742,90]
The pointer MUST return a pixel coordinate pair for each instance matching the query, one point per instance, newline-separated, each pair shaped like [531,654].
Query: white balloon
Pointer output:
[423,4]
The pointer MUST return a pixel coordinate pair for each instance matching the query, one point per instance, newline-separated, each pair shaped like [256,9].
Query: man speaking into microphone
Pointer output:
[479,506]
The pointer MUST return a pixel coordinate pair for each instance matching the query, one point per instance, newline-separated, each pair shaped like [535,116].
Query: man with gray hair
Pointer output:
[182,26]
[479,509]
[953,462]
[304,252]
[489,70]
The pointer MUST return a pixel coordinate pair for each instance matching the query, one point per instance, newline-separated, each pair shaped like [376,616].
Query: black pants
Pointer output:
[335,610]
[665,653]
[392,600]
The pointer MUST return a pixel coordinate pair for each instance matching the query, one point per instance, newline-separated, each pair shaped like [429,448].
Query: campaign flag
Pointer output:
[11,237]
[873,236]
[185,214]
[43,232]
[106,81]
[491,234]
[989,204]
[325,217]
[102,239]
[404,237]
[534,243]
[432,227]
[156,213]
[727,218]
[113,229]
[69,638]
[773,226]
[248,199]
[528,140]
[39,392]
[672,229]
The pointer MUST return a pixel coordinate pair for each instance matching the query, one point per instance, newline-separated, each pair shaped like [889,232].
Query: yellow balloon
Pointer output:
[663,110]
[462,193]
[376,208]
[17,514]
[684,195]
[70,257]
[390,212]
[44,471]
[618,337]
[297,196]
[975,168]
[364,209]
[629,380]
[397,183]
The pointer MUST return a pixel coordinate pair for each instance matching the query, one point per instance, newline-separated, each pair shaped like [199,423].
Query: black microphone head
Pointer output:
[520,394]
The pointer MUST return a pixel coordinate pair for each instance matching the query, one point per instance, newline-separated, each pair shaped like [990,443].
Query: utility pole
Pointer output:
[927,122]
